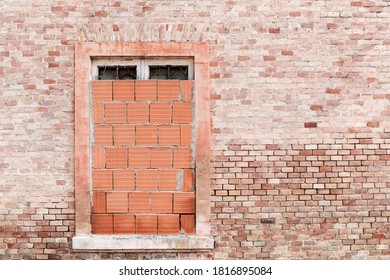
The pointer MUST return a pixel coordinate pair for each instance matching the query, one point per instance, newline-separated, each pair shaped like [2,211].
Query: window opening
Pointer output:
[117,73]
[125,68]
[168,72]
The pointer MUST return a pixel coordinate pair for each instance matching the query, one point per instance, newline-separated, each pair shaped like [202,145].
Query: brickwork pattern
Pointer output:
[142,180]
[300,107]
[308,201]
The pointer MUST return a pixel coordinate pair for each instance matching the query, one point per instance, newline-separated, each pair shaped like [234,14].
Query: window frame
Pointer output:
[85,54]
[142,64]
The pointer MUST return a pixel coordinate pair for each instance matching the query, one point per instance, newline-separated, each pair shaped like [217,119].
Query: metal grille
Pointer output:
[117,73]
[168,72]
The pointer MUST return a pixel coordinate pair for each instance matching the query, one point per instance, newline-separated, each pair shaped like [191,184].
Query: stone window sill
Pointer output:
[143,243]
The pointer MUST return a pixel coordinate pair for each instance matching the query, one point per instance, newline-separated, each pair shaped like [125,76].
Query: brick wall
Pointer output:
[300,137]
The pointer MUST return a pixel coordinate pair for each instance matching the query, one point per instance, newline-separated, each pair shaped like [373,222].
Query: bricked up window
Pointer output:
[143,165]
[142,146]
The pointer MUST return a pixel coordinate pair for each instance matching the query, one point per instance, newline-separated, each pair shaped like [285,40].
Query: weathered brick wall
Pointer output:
[300,122]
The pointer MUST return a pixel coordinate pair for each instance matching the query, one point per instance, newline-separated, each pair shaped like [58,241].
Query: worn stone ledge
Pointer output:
[142,243]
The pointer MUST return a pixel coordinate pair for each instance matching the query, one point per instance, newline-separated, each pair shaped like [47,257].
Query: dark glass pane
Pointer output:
[168,72]
[117,73]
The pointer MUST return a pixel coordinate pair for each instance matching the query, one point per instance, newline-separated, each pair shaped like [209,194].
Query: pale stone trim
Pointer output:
[143,243]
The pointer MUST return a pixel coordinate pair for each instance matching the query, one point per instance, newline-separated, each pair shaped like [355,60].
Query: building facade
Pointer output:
[288,154]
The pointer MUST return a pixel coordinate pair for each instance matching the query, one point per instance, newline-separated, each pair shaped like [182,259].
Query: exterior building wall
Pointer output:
[300,132]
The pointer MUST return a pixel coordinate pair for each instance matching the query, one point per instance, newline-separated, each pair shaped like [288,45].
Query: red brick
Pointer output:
[169,135]
[316,108]
[167,90]
[102,90]
[139,157]
[188,180]
[274,30]
[187,223]
[333,90]
[146,90]
[372,124]
[185,135]
[115,113]
[161,158]
[184,202]
[99,202]
[167,180]
[102,179]
[287,53]
[310,124]
[146,135]
[139,202]
[146,224]
[124,224]
[168,224]
[269,58]
[116,157]
[124,135]
[161,202]
[102,224]
[146,180]
[98,114]
[98,157]
[182,158]
[117,202]
[186,90]
[124,180]
[182,113]
[138,112]
[103,135]
[356,4]
[123,90]
[160,113]
[384,157]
